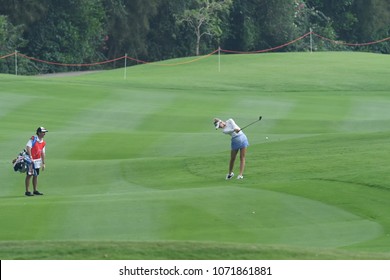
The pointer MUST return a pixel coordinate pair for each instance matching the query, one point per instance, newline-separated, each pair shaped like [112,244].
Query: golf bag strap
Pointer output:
[34,140]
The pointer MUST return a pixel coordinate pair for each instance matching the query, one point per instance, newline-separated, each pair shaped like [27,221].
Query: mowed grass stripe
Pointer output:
[213,215]
[368,114]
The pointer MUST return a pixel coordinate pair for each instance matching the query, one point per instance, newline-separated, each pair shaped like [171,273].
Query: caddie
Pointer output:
[36,148]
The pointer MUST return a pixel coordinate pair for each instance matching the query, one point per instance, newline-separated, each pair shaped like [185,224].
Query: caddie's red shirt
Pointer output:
[36,151]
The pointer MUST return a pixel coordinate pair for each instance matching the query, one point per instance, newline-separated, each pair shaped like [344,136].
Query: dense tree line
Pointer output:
[84,31]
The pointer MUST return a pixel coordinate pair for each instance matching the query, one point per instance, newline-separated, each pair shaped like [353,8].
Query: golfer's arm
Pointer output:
[29,151]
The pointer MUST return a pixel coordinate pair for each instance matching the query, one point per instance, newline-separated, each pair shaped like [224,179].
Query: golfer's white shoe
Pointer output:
[229,176]
[240,177]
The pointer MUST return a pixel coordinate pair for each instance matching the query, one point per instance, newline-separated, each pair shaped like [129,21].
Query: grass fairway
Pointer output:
[135,169]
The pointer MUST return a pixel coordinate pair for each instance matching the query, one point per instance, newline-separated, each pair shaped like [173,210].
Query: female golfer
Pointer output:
[239,143]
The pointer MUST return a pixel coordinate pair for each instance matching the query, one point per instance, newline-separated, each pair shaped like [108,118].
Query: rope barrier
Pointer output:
[351,44]
[196,59]
[270,49]
[70,64]
[7,55]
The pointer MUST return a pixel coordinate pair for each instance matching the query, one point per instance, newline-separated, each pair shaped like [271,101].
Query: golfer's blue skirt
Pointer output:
[239,142]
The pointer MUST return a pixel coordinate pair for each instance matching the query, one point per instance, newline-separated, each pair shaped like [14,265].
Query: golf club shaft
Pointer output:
[251,123]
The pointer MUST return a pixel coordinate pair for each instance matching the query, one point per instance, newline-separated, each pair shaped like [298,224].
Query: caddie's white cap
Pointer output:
[41,129]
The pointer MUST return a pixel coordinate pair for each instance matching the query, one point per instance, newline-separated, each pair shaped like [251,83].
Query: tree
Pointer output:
[277,20]
[244,29]
[166,39]
[70,32]
[263,24]
[10,36]
[373,23]
[127,24]
[24,12]
[205,18]
[11,39]
[333,16]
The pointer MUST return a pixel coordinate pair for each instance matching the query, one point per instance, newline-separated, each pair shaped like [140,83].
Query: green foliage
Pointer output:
[71,32]
[11,40]
[374,22]
[204,17]
[166,39]
[24,12]
[261,24]
[279,23]
[127,24]
[244,29]
[337,14]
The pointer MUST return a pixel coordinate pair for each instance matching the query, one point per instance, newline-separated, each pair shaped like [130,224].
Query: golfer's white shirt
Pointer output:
[230,127]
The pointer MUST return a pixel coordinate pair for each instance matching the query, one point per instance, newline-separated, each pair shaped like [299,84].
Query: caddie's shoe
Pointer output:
[38,193]
[229,176]
[240,177]
[28,194]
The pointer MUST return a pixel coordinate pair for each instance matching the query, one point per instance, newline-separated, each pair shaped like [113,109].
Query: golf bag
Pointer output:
[23,162]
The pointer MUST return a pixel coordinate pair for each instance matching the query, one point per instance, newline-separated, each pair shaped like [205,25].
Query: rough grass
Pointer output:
[108,250]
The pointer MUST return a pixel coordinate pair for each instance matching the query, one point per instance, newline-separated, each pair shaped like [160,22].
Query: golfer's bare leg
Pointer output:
[35,183]
[233,156]
[242,160]
[27,182]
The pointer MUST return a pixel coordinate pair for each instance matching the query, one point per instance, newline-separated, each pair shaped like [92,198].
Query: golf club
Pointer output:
[252,123]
